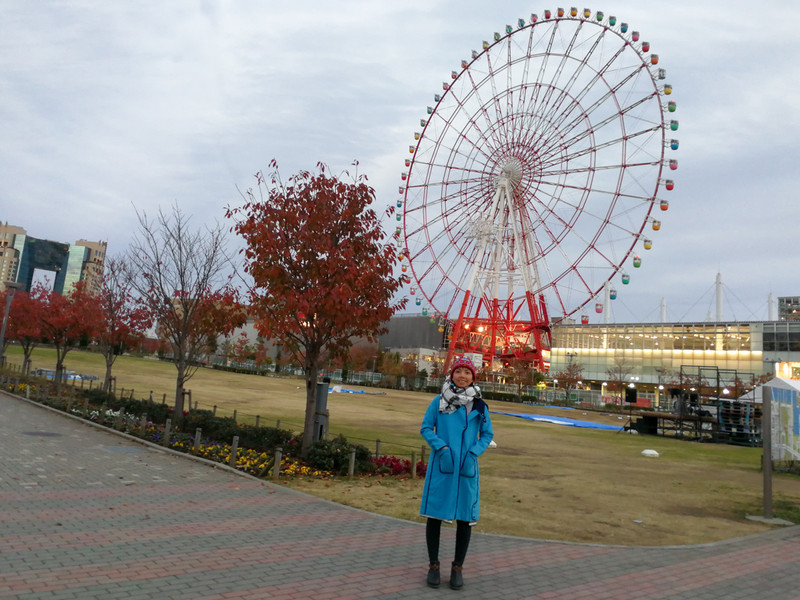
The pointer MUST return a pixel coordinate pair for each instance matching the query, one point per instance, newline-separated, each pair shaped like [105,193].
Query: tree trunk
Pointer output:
[311,369]
[177,413]
[26,362]
[109,364]
[59,366]
[179,353]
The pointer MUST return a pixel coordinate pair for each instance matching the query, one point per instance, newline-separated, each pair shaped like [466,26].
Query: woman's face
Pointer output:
[462,377]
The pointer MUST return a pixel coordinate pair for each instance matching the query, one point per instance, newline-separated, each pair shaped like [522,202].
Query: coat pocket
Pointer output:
[469,468]
[446,461]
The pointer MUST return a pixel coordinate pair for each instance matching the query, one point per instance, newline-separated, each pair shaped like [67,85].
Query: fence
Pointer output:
[46,385]
[593,399]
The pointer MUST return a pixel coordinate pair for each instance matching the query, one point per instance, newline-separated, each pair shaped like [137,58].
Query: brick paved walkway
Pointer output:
[86,513]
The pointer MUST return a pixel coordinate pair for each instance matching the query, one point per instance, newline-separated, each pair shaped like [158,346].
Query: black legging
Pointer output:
[433,530]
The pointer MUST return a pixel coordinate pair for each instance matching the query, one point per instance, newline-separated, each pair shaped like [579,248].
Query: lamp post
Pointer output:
[372,372]
[11,287]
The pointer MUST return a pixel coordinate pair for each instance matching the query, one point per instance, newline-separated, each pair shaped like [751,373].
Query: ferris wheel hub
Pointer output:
[511,172]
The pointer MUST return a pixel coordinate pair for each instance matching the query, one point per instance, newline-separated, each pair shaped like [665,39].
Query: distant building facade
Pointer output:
[22,255]
[789,308]
[654,354]
[9,255]
[412,331]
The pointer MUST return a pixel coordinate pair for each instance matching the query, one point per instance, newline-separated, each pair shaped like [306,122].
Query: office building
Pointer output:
[651,354]
[25,259]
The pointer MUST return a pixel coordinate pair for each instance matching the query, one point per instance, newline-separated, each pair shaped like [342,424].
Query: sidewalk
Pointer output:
[88,514]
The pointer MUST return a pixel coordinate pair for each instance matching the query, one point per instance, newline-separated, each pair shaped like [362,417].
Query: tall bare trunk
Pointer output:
[177,413]
[107,379]
[311,369]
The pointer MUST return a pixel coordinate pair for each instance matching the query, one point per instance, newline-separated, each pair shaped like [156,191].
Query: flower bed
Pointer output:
[392,465]
[326,458]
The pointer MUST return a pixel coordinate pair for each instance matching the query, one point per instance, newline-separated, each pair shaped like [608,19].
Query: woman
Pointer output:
[458,429]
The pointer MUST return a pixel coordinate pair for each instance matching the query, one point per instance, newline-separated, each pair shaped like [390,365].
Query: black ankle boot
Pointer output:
[434,578]
[456,580]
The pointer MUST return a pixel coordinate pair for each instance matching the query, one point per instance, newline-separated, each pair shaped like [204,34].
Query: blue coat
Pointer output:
[452,481]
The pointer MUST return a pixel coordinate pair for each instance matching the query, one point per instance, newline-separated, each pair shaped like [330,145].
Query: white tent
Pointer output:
[777,383]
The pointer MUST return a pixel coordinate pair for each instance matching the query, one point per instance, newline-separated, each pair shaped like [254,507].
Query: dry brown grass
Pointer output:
[543,481]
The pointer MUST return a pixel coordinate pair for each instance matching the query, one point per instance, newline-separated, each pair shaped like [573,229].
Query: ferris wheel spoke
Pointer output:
[474,90]
[524,78]
[425,275]
[558,296]
[612,115]
[438,294]
[543,69]
[636,201]
[583,62]
[565,90]
[455,150]
[596,168]
[495,101]
[613,142]
[467,169]
[596,79]
[621,140]
[603,221]
[440,232]
[609,95]
[554,238]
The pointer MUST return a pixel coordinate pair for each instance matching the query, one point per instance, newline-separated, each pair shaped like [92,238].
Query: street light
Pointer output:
[12,287]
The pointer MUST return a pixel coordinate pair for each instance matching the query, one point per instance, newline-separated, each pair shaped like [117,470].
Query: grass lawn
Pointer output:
[542,481]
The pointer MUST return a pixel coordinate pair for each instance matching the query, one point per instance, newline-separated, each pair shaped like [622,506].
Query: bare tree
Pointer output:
[619,375]
[122,321]
[179,274]
[522,373]
[569,377]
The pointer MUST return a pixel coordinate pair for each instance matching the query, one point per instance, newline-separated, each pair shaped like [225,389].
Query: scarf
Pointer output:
[453,397]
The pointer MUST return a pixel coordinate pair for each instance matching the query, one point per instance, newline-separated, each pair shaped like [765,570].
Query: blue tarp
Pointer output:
[550,406]
[562,421]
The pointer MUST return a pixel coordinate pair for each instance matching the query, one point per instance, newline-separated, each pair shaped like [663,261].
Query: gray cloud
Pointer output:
[109,105]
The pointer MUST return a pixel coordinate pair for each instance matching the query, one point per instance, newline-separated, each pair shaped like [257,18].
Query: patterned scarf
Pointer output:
[452,396]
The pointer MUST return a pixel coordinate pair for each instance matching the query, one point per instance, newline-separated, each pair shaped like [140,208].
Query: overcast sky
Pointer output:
[107,106]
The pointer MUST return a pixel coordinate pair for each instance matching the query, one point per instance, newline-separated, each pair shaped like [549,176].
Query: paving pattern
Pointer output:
[86,513]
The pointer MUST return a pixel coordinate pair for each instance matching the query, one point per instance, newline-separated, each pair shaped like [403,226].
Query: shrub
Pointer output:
[502,396]
[217,428]
[264,439]
[334,456]
[223,429]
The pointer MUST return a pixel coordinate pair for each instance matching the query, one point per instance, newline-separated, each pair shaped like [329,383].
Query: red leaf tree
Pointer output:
[24,324]
[122,321]
[179,276]
[321,266]
[364,357]
[65,320]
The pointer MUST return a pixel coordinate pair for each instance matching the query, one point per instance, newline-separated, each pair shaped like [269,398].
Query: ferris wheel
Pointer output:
[534,178]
